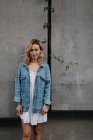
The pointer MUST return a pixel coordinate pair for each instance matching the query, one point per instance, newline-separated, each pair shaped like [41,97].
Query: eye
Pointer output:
[31,50]
[36,50]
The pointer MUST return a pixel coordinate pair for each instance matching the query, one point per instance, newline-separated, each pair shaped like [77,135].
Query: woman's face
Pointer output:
[35,52]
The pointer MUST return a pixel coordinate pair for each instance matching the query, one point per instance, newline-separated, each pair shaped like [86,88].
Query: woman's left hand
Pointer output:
[44,109]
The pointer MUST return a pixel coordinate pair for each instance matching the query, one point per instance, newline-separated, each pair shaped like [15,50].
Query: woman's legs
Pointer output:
[26,131]
[37,131]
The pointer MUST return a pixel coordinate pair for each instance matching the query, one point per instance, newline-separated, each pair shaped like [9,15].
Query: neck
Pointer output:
[34,61]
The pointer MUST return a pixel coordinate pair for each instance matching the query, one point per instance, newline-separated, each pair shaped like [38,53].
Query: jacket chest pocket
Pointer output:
[23,80]
[42,81]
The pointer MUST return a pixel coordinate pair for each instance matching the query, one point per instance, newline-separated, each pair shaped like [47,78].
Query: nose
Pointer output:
[34,51]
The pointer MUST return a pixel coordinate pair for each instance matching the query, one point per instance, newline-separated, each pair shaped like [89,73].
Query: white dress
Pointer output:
[30,117]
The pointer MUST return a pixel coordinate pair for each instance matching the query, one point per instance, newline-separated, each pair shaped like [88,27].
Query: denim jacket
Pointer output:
[41,91]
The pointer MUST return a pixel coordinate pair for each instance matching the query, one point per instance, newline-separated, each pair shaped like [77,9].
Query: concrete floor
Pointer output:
[60,126]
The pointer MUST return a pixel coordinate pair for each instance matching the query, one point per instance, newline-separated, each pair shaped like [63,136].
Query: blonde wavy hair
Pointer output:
[26,55]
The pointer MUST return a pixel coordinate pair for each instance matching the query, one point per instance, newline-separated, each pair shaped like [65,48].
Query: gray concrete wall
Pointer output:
[72,55]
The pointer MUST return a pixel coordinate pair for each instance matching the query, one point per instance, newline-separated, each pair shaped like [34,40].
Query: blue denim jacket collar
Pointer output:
[41,64]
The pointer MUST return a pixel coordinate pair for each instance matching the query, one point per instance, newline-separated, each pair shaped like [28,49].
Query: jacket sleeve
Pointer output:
[17,95]
[47,90]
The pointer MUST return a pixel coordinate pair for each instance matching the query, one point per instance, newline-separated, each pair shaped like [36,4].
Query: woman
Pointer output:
[32,90]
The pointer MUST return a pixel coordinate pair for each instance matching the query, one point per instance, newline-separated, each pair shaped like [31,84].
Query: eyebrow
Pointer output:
[35,49]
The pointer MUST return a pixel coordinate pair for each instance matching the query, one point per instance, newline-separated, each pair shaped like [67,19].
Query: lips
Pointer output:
[34,55]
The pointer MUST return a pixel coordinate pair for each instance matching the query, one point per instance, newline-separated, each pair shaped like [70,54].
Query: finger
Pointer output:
[42,113]
[18,110]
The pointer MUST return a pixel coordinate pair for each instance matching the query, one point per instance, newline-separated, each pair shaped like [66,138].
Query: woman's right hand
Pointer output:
[19,109]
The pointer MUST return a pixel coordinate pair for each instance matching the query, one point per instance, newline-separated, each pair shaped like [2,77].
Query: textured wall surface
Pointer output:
[72,55]
[20,21]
